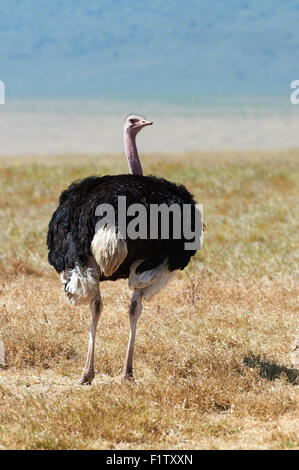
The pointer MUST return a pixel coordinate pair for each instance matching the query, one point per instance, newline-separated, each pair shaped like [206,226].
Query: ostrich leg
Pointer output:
[96,306]
[134,313]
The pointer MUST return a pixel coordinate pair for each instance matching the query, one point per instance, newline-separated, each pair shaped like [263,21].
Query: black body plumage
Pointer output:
[72,227]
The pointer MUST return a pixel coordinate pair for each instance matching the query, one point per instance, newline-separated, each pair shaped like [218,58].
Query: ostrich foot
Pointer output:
[87,378]
[127,377]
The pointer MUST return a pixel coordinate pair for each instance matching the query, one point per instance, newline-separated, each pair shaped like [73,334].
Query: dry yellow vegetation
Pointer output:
[212,358]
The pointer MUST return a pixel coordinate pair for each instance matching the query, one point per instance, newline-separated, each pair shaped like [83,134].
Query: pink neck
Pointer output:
[132,154]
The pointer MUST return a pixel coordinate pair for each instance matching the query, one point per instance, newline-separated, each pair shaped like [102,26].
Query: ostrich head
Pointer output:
[134,123]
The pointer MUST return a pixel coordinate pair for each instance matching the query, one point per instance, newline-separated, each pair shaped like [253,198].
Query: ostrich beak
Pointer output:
[147,123]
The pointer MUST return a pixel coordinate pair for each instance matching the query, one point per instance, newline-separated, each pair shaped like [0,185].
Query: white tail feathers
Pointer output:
[80,284]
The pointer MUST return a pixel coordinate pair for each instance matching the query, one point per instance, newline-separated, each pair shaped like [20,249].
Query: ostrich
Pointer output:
[85,254]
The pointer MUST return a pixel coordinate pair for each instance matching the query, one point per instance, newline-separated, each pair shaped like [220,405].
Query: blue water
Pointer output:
[173,50]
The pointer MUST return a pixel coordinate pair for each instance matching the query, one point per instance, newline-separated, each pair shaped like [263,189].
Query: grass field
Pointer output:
[213,357]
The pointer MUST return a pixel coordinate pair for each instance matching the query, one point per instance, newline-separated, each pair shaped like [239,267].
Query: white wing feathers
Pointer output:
[150,282]
[108,250]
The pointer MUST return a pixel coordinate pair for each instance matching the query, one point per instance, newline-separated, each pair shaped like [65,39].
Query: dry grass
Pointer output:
[212,358]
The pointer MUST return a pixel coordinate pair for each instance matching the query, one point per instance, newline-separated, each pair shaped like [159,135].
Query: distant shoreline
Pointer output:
[56,127]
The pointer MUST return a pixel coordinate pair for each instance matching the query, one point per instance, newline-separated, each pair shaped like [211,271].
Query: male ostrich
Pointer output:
[85,254]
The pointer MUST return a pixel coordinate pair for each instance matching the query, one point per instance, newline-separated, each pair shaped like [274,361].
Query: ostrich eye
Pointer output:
[132,121]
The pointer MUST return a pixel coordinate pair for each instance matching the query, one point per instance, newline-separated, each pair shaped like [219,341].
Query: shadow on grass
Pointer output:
[270,370]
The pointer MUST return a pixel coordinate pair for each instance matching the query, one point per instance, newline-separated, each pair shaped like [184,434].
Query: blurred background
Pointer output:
[211,74]
[217,350]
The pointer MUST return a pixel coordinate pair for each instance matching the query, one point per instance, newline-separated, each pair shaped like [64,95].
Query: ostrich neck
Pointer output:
[132,154]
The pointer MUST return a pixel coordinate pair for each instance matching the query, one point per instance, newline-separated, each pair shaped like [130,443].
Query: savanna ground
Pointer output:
[213,352]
